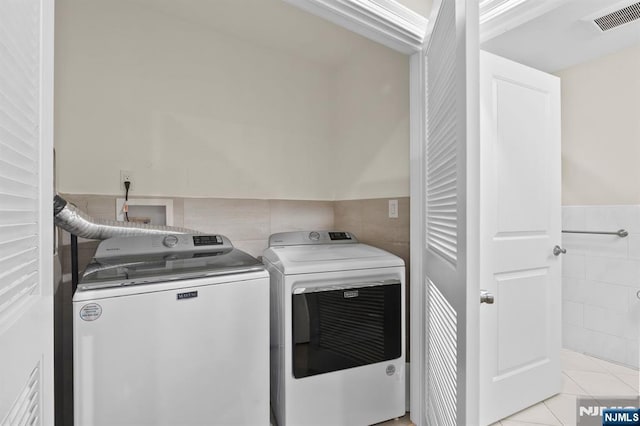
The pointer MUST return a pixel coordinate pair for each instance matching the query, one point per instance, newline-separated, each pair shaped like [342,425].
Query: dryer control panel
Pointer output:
[311,237]
[339,236]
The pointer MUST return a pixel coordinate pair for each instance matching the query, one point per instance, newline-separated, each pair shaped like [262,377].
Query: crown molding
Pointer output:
[384,21]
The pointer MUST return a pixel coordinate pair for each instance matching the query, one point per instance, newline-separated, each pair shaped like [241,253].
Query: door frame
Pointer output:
[46,188]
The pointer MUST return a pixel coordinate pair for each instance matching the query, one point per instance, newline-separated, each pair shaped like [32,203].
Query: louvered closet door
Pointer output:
[26,320]
[452,221]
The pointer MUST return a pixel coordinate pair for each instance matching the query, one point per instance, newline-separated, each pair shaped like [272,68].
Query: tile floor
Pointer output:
[582,375]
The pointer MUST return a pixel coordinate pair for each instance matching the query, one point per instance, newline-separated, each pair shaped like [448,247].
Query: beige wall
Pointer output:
[196,113]
[371,116]
[601,130]
[189,111]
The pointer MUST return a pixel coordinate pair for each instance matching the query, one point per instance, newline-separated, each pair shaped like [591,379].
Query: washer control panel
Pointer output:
[207,240]
[170,241]
[161,243]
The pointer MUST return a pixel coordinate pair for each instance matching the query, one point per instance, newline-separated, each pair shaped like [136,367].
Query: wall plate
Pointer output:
[167,203]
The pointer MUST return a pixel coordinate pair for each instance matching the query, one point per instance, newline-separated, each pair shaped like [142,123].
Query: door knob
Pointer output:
[486,297]
[557,251]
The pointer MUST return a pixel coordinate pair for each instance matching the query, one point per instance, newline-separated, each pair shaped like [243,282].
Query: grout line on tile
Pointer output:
[575,383]
[552,413]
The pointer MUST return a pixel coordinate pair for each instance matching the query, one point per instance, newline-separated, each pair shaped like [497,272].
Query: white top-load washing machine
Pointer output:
[337,330]
[171,330]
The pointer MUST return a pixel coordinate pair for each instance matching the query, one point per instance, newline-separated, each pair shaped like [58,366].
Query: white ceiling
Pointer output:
[562,38]
[421,7]
[272,24]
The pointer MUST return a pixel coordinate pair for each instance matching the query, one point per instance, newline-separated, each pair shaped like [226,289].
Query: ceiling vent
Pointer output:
[619,17]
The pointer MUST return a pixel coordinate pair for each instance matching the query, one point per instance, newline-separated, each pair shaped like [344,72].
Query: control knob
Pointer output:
[170,241]
[314,236]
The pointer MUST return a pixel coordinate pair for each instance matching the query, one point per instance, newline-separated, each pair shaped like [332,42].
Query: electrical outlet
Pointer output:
[393,209]
[126,176]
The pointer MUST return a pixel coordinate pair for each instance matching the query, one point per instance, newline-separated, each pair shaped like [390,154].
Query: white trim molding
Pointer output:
[45,221]
[417,123]
[384,21]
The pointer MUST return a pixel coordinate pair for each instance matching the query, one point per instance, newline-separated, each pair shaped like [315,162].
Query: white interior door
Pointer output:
[452,222]
[520,225]
[26,217]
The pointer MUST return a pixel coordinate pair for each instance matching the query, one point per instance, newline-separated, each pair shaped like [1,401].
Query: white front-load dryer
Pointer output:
[337,330]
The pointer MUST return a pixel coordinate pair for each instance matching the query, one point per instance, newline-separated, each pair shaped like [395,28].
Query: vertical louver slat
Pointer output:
[17,245]
[9,217]
[17,173]
[441,368]
[442,164]
[26,408]
[22,102]
[19,159]
[13,157]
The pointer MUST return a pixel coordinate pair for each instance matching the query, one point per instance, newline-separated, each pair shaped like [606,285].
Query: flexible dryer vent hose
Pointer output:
[68,217]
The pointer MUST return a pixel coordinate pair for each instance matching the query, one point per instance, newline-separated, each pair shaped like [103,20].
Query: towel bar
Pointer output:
[620,233]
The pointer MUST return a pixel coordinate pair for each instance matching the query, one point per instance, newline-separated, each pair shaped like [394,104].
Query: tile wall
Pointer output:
[248,223]
[601,281]
[369,221]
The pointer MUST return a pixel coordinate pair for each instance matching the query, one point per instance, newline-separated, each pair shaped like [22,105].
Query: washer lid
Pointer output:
[161,267]
[305,259]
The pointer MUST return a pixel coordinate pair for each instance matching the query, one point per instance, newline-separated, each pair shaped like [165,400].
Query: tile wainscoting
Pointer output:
[601,281]
[248,223]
